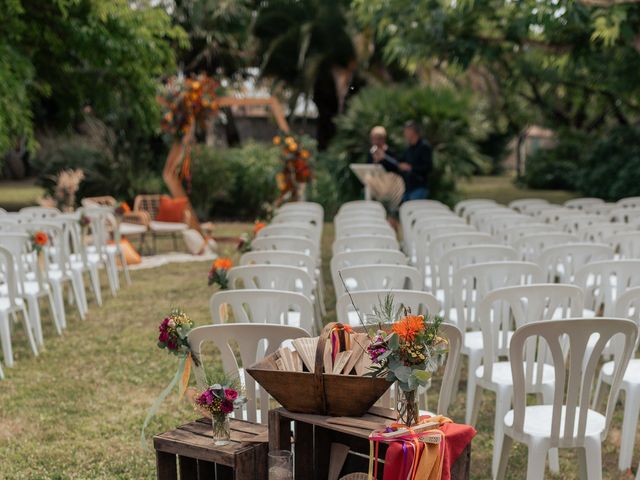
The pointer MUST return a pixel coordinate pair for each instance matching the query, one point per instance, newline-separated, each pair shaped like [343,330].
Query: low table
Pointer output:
[190,448]
[314,430]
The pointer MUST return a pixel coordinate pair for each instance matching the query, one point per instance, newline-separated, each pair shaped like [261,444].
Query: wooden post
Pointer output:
[170,173]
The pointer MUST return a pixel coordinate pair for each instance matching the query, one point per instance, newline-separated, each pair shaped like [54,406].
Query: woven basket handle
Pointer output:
[317,373]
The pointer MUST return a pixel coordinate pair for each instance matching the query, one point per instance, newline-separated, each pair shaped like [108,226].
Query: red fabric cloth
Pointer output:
[457,438]
[171,209]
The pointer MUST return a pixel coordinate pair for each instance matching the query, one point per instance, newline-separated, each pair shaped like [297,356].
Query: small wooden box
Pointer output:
[190,449]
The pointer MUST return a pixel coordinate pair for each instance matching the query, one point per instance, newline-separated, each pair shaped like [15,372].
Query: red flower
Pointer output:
[40,239]
[230,393]
[226,406]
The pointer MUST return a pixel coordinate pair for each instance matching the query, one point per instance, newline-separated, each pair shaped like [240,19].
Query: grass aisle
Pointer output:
[75,411]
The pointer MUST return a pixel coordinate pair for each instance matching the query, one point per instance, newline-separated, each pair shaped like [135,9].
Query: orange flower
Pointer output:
[276,140]
[40,239]
[289,140]
[305,153]
[222,263]
[347,328]
[293,147]
[408,327]
[258,226]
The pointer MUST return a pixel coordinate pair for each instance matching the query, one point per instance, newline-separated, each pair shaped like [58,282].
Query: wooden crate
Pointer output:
[190,450]
[309,430]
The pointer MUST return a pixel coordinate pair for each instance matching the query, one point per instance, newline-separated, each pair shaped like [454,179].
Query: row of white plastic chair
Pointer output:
[27,277]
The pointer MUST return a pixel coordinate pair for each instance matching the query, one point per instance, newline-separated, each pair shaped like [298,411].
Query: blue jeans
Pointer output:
[415,194]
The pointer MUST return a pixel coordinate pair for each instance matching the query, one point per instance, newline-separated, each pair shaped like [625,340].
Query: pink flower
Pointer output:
[164,336]
[230,393]
[226,407]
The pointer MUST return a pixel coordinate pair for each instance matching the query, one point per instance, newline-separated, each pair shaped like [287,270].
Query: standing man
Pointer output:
[415,165]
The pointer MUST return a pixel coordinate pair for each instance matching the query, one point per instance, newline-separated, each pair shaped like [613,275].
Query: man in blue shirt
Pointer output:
[415,165]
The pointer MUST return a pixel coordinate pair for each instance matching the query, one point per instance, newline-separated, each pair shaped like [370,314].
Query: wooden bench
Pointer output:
[190,450]
[313,463]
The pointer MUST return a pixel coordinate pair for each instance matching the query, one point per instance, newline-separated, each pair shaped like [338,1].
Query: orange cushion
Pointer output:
[171,209]
[131,256]
[125,207]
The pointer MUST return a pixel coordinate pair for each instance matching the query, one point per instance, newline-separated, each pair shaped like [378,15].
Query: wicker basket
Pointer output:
[317,392]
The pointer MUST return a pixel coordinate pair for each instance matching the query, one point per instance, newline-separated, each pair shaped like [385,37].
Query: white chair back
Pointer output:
[442,243]
[364,257]
[531,246]
[510,234]
[248,340]
[280,257]
[502,309]
[472,283]
[521,204]
[379,277]
[629,202]
[271,277]
[601,232]
[40,213]
[288,243]
[304,230]
[605,280]
[364,242]
[367,301]
[627,244]
[262,306]
[366,229]
[581,203]
[561,262]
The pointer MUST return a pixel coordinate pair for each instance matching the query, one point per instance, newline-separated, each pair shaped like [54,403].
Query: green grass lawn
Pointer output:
[502,189]
[17,194]
[75,411]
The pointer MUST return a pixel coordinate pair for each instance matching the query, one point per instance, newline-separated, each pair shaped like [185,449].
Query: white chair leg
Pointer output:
[5,339]
[503,403]
[29,331]
[112,273]
[124,266]
[94,277]
[507,442]
[77,284]
[554,461]
[477,400]
[1,373]
[629,427]
[58,299]
[474,362]
[535,461]
[593,460]
[54,313]
[35,319]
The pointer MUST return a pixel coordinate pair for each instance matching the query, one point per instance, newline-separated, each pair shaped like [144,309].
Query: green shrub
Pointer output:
[556,168]
[451,120]
[235,182]
[611,167]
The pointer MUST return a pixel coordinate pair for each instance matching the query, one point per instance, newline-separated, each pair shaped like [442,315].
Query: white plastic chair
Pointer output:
[576,224]
[554,215]
[496,224]
[348,222]
[40,213]
[625,215]
[519,305]
[288,243]
[365,229]
[599,208]
[420,303]
[360,205]
[364,242]
[271,277]
[295,217]
[279,257]
[536,209]
[10,305]
[31,291]
[305,230]
[521,204]
[581,203]
[262,306]
[476,215]
[531,246]
[311,207]
[626,244]
[509,235]
[456,258]
[567,422]
[561,262]
[604,281]
[59,270]
[629,202]
[442,243]
[250,340]
[460,207]
[379,277]
[364,257]
[601,232]
[425,233]
[627,306]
